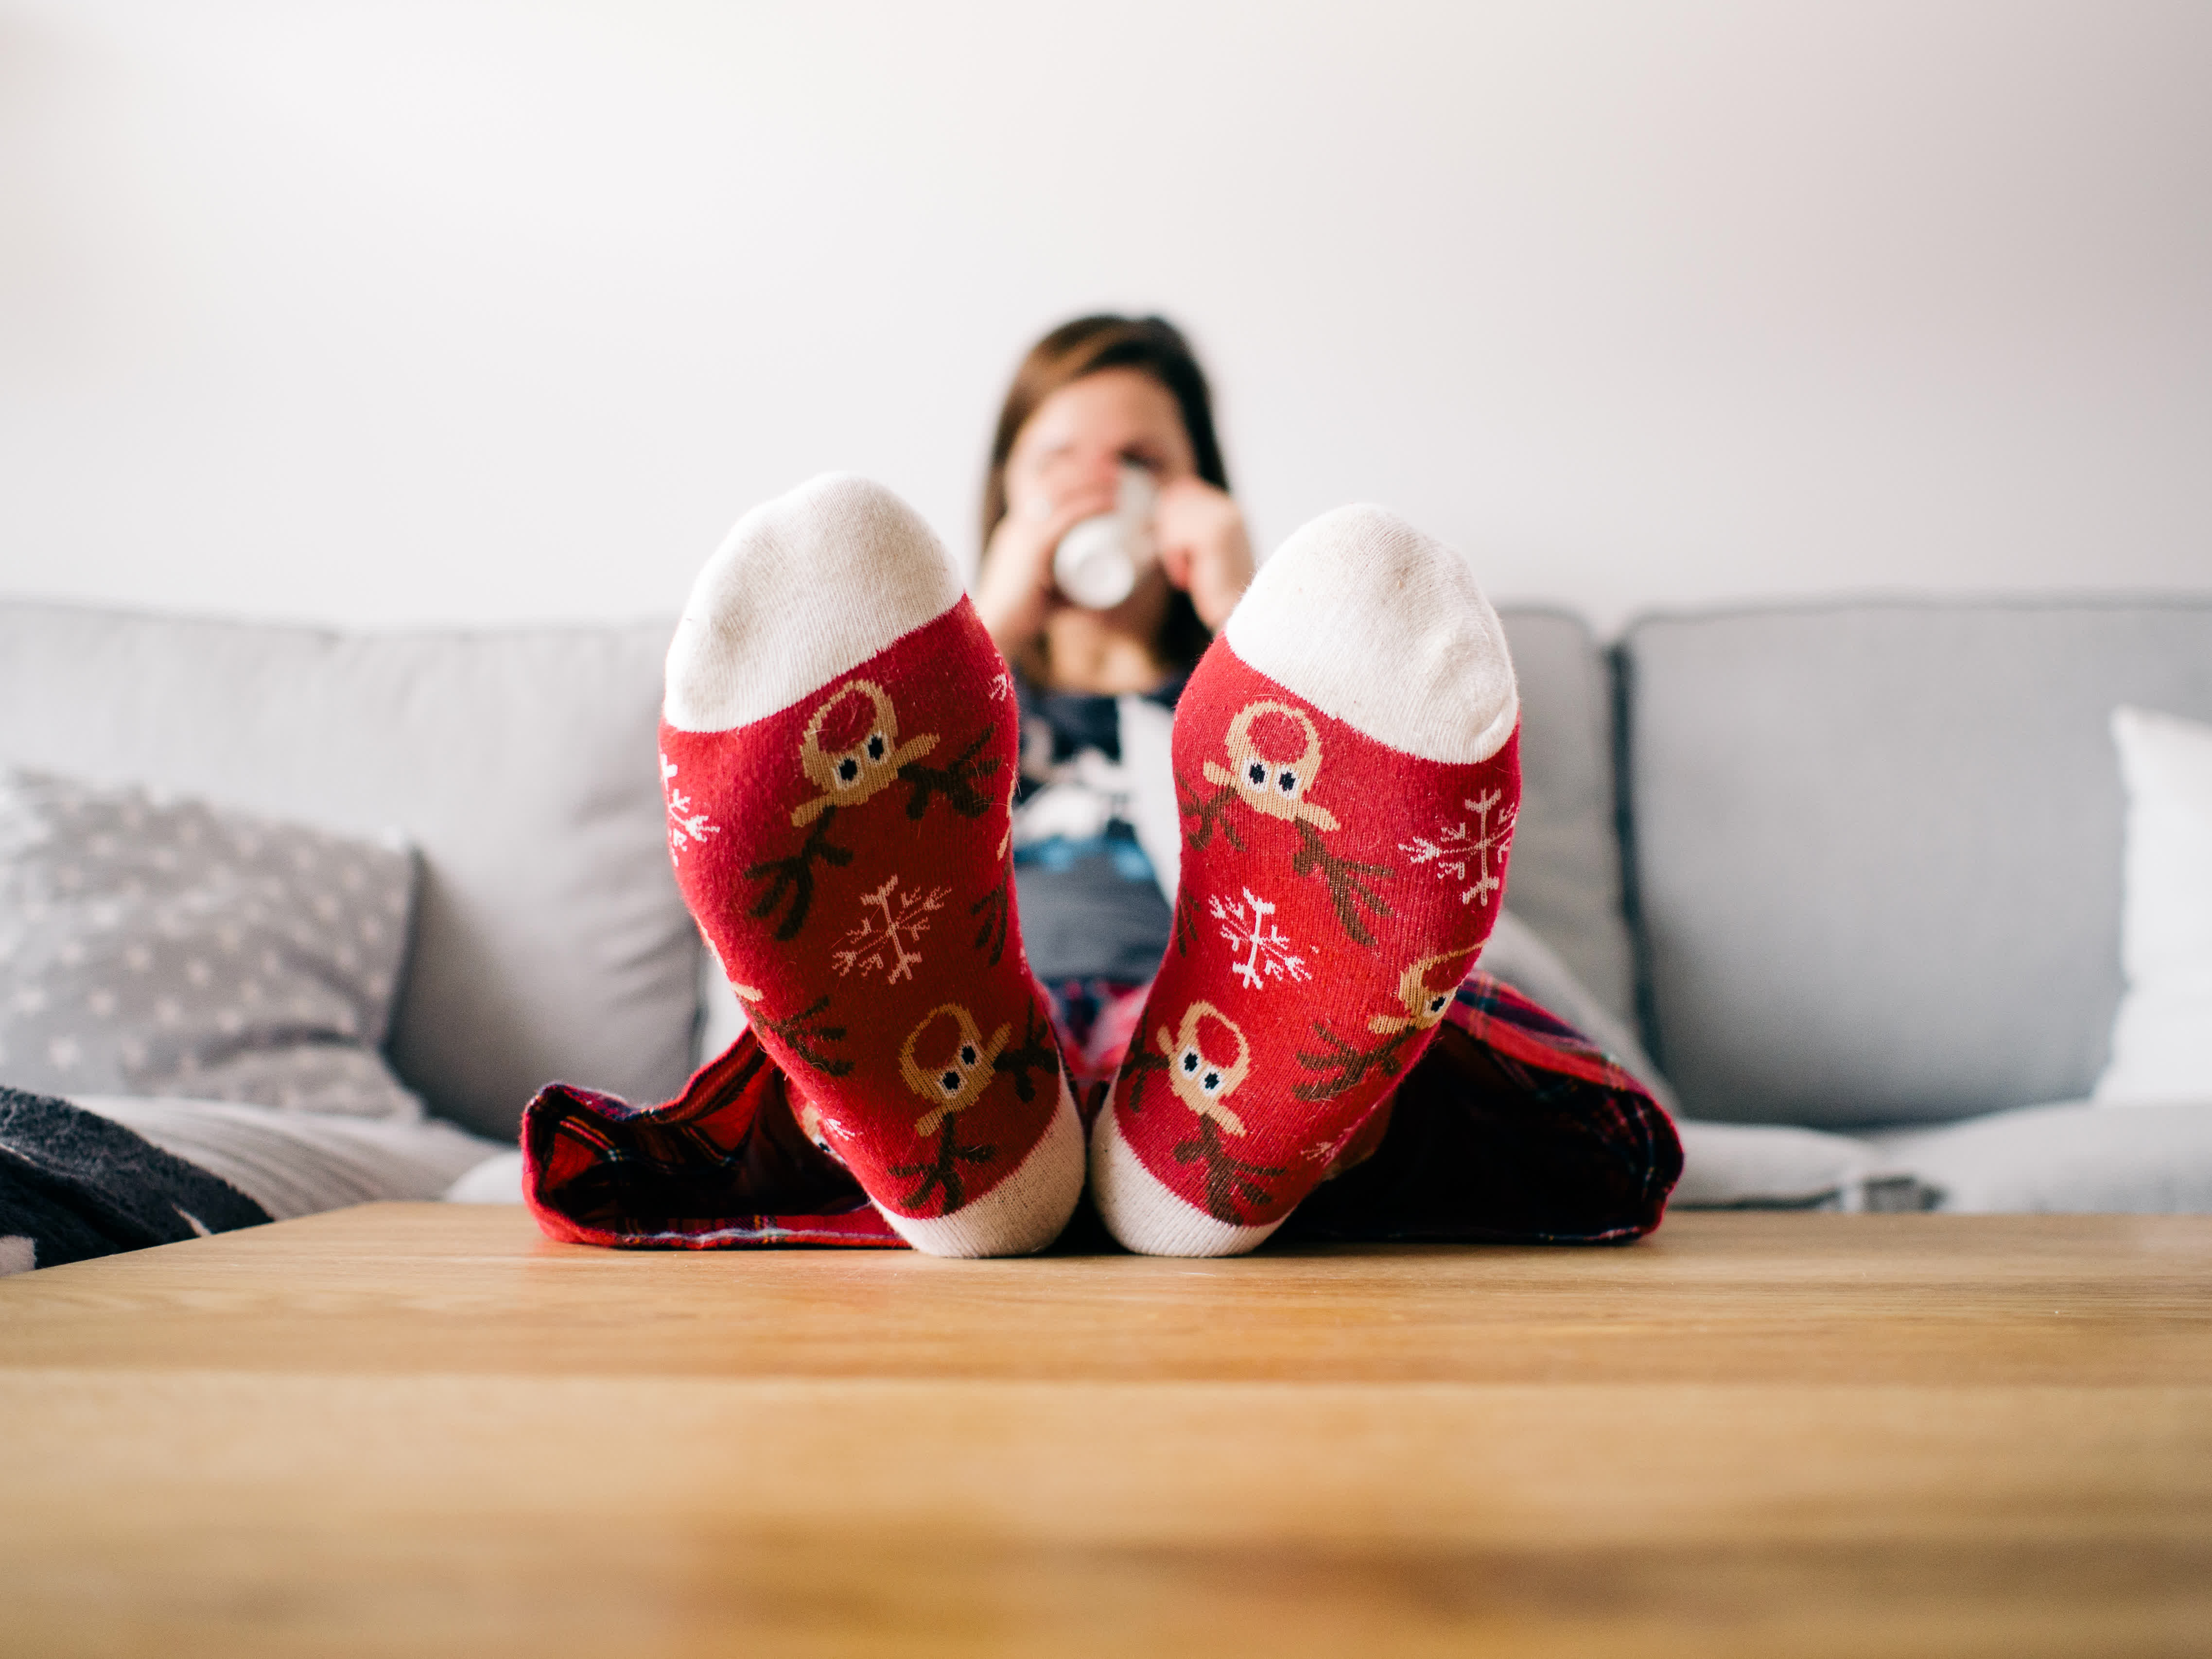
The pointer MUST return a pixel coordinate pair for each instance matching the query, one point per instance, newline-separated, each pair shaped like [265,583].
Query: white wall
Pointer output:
[390,312]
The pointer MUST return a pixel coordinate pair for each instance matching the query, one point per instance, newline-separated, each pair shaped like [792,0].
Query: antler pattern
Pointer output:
[794,876]
[1139,1067]
[996,908]
[1348,1067]
[1348,879]
[941,1173]
[806,1039]
[956,782]
[1186,918]
[1228,1177]
[1034,1053]
[1211,812]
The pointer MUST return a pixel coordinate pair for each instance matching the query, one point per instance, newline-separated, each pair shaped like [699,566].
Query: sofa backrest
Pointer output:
[550,941]
[1565,877]
[1875,852]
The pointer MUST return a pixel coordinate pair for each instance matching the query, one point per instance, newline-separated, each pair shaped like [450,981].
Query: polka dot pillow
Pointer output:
[154,946]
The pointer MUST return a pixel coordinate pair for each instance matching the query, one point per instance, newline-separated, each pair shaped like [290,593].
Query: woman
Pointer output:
[1094,397]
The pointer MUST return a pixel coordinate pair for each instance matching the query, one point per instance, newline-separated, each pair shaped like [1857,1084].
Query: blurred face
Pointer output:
[1078,438]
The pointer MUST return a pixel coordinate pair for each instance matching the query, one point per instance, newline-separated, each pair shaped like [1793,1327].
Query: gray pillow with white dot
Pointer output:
[157,946]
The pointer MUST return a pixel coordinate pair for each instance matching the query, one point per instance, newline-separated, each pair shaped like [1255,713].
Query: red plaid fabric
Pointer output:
[1511,1129]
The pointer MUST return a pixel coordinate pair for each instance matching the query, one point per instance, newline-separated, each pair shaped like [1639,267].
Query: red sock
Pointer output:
[1347,762]
[838,752]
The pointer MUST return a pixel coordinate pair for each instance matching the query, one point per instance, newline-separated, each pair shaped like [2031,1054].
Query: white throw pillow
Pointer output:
[2162,1035]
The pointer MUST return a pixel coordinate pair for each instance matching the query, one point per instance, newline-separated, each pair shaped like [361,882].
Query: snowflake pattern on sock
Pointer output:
[1454,848]
[889,943]
[1267,952]
[686,824]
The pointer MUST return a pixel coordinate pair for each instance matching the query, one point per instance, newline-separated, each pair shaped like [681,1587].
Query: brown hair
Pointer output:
[1153,346]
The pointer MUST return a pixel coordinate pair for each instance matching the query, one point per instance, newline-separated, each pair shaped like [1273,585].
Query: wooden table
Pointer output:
[424,1430]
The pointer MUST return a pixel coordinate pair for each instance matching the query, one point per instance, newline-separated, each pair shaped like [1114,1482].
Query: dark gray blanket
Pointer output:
[75,1185]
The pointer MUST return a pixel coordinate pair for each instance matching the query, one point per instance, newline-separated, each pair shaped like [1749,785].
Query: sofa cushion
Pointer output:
[550,941]
[296,1163]
[2070,1156]
[1564,880]
[1769,1166]
[1876,848]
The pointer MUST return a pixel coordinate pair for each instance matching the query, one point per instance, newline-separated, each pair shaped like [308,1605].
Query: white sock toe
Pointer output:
[1384,628]
[804,588]
[1144,1216]
[1023,1213]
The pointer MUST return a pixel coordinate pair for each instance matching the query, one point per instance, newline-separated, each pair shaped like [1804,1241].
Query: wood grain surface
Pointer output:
[425,1430]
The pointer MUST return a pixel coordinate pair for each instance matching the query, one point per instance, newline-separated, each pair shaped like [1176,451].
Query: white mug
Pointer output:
[1099,560]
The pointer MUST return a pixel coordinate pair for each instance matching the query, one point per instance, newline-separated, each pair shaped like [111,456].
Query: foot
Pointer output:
[1348,769]
[838,749]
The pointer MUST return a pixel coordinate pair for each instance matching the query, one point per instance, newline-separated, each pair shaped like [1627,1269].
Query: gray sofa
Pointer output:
[1851,870]
[1872,862]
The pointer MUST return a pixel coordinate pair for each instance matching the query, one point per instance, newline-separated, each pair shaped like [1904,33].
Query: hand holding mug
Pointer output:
[1203,548]
[1100,561]
[1014,590]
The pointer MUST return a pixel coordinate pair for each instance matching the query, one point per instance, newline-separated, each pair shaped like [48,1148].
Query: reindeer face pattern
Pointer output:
[1201,1081]
[958,1081]
[1273,784]
[856,771]
[1424,1003]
